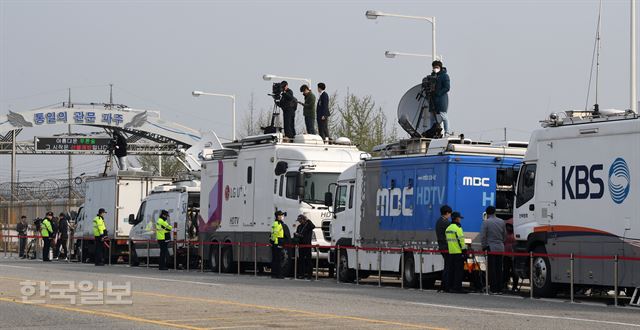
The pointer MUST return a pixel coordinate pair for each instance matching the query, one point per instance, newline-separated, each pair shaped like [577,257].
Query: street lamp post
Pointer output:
[394,54]
[269,77]
[233,109]
[374,14]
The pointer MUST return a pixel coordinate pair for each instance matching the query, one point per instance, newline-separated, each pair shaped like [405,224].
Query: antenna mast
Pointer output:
[596,108]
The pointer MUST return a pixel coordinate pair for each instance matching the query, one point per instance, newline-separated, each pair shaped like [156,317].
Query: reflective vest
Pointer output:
[455,238]
[98,226]
[162,227]
[46,228]
[277,232]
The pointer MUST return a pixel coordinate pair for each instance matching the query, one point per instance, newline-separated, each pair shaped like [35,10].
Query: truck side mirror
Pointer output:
[328,199]
[132,219]
[300,185]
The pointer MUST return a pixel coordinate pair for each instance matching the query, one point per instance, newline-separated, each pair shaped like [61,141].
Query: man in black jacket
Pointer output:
[441,227]
[322,111]
[21,228]
[303,236]
[63,236]
[288,103]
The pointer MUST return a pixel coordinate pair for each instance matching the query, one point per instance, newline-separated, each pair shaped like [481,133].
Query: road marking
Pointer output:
[525,314]
[170,280]
[21,267]
[104,314]
[288,310]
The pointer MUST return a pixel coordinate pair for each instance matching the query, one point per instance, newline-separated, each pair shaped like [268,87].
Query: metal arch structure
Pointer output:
[140,124]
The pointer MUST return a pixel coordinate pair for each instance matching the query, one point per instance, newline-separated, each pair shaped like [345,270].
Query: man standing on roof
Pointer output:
[440,96]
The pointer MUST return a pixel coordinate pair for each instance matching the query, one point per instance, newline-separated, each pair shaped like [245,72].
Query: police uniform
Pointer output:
[277,238]
[457,251]
[46,230]
[99,231]
[162,229]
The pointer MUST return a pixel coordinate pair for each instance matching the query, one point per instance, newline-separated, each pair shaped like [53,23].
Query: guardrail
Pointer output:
[8,240]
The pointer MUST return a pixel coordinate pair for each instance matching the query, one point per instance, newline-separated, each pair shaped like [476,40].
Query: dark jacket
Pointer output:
[63,228]
[441,228]
[21,228]
[288,102]
[287,234]
[441,96]
[323,105]
[309,109]
[304,233]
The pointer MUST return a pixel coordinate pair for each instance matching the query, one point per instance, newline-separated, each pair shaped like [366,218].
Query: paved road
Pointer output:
[177,299]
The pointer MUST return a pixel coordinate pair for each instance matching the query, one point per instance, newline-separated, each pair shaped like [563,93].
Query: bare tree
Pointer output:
[171,167]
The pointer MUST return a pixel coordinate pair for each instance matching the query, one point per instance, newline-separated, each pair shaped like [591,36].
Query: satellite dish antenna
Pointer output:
[413,112]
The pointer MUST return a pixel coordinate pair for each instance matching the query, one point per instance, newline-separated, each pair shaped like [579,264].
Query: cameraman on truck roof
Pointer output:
[439,102]
[288,103]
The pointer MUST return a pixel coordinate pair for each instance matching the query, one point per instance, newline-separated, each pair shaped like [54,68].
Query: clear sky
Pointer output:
[510,62]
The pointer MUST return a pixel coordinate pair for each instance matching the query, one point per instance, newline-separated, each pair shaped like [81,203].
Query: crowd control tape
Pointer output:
[371,248]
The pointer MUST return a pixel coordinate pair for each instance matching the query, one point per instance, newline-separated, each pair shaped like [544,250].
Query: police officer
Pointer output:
[46,230]
[99,233]
[457,253]
[162,229]
[277,240]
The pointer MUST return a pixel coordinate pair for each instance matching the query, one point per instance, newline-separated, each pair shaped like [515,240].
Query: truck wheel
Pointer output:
[133,258]
[541,282]
[227,260]
[345,274]
[213,257]
[409,276]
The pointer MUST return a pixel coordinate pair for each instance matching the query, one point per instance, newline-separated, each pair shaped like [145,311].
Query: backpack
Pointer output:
[54,226]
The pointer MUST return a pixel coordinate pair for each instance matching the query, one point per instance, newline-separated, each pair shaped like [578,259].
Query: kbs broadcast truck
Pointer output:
[394,200]
[119,195]
[577,192]
[182,199]
[245,182]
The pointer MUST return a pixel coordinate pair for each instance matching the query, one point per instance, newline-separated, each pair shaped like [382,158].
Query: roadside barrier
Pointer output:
[9,241]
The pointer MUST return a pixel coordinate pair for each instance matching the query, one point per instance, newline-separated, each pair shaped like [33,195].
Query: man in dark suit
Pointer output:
[323,111]
[288,103]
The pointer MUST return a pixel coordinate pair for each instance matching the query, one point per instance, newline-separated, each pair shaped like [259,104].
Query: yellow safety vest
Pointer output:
[46,229]
[162,227]
[277,231]
[455,238]
[98,226]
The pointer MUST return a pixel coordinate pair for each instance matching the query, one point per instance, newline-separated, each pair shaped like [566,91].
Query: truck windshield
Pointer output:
[315,185]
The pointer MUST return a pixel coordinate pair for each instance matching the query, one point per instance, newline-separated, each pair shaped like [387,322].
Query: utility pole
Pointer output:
[13,176]
[110,93]
[69,165]
[505,134]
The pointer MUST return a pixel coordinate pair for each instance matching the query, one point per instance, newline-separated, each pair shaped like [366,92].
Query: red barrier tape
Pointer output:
[370,249]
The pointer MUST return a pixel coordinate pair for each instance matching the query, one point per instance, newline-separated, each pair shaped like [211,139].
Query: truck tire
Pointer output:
[409,277]
[541,282]
[227,260]
[133,258]
[213,257]
[345,274]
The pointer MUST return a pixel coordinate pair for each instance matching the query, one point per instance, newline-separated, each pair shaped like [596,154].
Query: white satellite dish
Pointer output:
[413,112]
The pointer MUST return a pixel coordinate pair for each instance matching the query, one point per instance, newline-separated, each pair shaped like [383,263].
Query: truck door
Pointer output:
[249,192]
[525,203]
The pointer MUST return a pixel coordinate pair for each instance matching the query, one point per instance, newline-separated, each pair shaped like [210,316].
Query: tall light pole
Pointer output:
[269,77]
[233,109]
[394,54]
[374,14]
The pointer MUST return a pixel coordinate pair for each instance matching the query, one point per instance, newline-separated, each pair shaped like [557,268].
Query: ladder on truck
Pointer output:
[635,299]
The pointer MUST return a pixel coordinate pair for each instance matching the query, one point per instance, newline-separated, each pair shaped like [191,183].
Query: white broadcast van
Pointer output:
[578,192]
[245,182]
[181,199]
[120,195]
